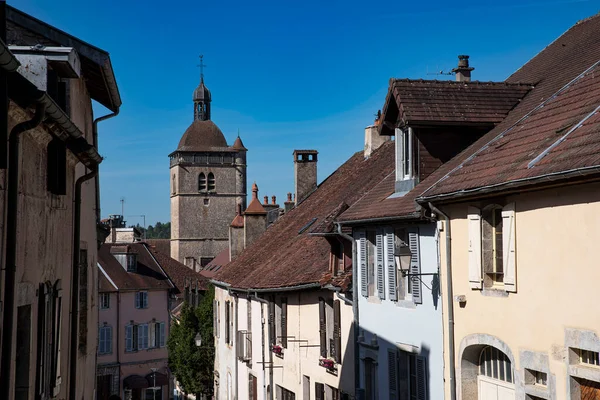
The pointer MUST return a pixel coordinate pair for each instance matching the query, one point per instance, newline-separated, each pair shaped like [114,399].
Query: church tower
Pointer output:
[208,180]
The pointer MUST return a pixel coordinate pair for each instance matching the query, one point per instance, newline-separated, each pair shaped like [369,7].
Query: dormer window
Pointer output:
[131,263]
[406,160]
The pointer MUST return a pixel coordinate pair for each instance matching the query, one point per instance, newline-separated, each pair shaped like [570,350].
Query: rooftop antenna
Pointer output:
[440,72]
[201,65]
[122,206]
[143,216]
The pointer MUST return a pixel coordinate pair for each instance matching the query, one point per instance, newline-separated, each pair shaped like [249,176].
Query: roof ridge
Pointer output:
[450,82]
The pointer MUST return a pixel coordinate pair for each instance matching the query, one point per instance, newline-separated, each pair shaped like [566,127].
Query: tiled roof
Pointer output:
[551,122]
[283,257]
[162,245]
[489,162]
[179,273]
[211,269]
[104,284]
[148,275]
[449,102]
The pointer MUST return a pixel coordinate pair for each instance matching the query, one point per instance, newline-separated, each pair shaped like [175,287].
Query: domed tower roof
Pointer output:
[202,136]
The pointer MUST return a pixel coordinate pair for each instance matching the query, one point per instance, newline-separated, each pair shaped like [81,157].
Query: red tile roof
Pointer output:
[179,274]
[104,284]
[449,102]
[551,121]
[255,207]
[283,257]
[211,269]
[148,275]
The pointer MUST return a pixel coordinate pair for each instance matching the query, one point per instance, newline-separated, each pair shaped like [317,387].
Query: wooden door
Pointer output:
[589,390]
[103,387]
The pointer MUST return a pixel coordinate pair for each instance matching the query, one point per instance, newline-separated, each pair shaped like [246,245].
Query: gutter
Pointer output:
[95,136]
[8,62]
[449,302]
[10,267]
[266,290]
[415,215]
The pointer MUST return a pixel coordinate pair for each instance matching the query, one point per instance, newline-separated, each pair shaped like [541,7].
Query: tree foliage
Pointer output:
[158,231]
[193,366]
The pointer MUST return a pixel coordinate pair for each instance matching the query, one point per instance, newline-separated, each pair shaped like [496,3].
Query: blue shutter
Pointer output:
[108,345]
[390,243]
[128,338]
[415,265]
[137,299]
[379,261]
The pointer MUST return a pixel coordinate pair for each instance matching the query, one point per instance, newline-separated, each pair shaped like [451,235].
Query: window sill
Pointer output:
[494,292]
[374,299]
[537,391]
[589,372]
[406,304]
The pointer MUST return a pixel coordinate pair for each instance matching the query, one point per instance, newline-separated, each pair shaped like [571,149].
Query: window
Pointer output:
[405,154]
[141,300]
[494,364]
[244,346]
[48,377]
[589,357]
[407,375]
[283,323]
[211,182]
[370,366]
[157,334]
[131,262]
[492,243]
[56,172]
[282,393]
[330,329]
[370,249]
[252,387]
[537,378]
[105,340]
[104,301]
[153,393]
[190,262]
[142,336]
[229,323]
[201,182]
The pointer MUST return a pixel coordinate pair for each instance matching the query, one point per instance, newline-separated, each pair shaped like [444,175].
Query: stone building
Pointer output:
[208,181]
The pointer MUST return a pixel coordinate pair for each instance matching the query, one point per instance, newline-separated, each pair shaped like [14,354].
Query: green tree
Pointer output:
[158,231]
[193,366]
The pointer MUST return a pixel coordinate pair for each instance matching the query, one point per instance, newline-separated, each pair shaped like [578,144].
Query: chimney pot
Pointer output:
[289,197]
[463,71]
[273,200]
[266,200]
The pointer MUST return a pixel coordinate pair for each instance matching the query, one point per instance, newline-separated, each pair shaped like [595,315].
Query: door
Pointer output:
[589,390]
[103,387]
[493,389]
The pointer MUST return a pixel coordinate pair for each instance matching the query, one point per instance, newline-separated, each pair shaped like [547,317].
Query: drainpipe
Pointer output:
[97,180]
[354,309]
[262,345]
[235,330]
[449,302]
[10,266]
[75,282]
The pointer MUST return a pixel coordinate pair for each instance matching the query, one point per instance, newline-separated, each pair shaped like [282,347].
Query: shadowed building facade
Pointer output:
[208,180]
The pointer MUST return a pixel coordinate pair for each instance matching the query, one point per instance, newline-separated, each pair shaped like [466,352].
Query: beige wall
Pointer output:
[557,284]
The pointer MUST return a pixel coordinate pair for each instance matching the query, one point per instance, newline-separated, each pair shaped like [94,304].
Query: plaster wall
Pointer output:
[556,275]
[408,327]
[108,317]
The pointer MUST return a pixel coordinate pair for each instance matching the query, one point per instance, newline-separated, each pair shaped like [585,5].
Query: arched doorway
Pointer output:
[495,379]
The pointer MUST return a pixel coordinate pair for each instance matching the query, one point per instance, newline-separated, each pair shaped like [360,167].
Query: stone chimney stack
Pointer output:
[273,200]
[305,173]
[266,200]
[255,219]
[463,71]
[289,203]
[373,140]
[236,234]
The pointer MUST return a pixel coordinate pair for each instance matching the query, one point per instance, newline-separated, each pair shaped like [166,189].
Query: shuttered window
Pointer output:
[322,327]
[105,340]
[474,228]
[509,244]
[415,265]
[227,317]
[393,373]
[412,377]
[128,337]
[390,263]
[337,333]
[284,322]
[252,387]
[319,391]
[379,264]
[361,239]
[49,338]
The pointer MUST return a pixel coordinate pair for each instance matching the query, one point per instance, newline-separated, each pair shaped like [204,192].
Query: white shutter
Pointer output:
[474,221]
[101,341]
[391,264]
[415,265]
[508,247]
[379,260]
[362,259]
[153,338]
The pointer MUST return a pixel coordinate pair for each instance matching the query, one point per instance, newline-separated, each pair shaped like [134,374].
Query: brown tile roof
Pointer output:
[104,284]
[203,136]
[179,274]
[500,161]
[148,275]
[162,245]
[283,257]
[211,269]
[551,121]
[449,102]
[255,207]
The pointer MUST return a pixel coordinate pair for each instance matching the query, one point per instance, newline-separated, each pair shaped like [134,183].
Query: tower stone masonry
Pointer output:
[208,181]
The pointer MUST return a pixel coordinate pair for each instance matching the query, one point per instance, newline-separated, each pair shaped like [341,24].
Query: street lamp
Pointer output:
[403,256]
[198,340]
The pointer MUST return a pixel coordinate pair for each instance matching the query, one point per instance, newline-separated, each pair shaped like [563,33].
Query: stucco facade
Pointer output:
[541,326]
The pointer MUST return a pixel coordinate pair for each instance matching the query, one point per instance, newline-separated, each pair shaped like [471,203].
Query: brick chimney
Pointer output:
[373,140]
[305,173]
[463,71]
[289,203]
[255,219]
[236,234]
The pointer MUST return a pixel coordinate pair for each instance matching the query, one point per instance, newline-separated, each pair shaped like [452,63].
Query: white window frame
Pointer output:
[405,165]
[104,301]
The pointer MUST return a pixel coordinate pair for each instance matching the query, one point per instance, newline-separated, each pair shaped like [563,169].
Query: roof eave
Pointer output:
[417,215]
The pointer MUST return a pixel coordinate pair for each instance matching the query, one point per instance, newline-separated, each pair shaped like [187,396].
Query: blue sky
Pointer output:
[287,74]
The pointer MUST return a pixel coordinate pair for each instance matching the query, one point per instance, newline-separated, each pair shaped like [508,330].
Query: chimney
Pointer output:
[305,172]
[463,71]
[266,200]
[289,203]
[373,140]
[255,219]
[273,200]
[236,234]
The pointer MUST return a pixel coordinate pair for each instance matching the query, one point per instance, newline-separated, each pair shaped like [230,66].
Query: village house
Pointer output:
[140,289]
[48,167]
[283,305]
[518,213]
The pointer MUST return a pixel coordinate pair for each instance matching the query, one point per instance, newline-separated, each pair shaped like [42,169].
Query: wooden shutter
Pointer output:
[379,261]
[322,327]
[337,332]
[319,391]
[128,338]
[393,373]
[421,378]
[153,338]
[163,334]
[474,227]
[361,238]
[108,346]
[391,264]
[101,340]
[508,247]
[415,265]
[215,311]
[272,333]
[284,322]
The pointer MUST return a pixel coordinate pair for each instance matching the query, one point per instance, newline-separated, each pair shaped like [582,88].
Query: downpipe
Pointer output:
[95,135]
[10,267]
[449,302]
[75,282]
